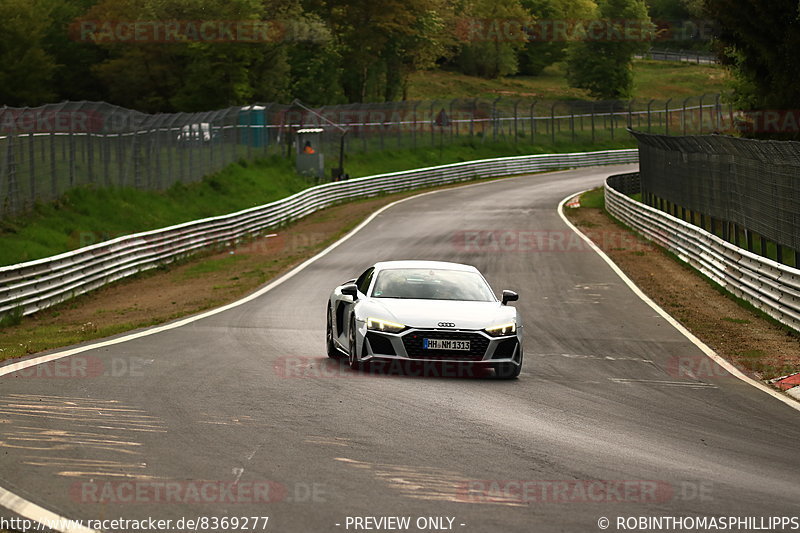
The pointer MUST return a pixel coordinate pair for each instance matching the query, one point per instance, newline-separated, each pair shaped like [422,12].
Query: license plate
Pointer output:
[445,344]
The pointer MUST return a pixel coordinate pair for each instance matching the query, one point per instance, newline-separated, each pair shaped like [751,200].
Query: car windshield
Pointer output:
[432,284]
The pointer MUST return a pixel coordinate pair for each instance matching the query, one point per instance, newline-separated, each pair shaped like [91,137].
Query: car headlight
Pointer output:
[377,324]
[501,330]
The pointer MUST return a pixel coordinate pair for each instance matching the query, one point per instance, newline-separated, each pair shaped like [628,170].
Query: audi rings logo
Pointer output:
[446,325]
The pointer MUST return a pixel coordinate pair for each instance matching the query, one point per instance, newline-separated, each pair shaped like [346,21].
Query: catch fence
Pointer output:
[48,150]
[747,191]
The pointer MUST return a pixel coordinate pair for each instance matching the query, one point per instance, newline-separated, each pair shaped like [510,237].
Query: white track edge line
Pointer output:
[26,509]
[724,363]
[30,510]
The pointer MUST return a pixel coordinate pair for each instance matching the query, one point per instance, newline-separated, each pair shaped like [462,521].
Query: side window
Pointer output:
[364,280]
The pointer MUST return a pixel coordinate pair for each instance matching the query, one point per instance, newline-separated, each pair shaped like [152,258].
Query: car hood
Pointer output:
[428,313]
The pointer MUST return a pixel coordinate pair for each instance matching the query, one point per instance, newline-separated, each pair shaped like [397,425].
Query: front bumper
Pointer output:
[409,346]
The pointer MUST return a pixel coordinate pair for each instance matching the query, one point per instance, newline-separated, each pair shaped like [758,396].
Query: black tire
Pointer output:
[508,370]
[333,352]
[351,346]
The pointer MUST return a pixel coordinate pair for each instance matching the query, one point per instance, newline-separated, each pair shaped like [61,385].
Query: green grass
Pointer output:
[594,199]
[37,338]
[86,216]
[211,265]
[652,79]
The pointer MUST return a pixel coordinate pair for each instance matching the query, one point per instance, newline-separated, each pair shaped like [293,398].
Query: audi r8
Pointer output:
[427,311]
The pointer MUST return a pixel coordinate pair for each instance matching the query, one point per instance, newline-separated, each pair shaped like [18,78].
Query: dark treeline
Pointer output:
[320,51]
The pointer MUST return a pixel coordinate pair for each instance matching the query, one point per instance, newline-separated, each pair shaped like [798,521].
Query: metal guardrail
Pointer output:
[684,56]
[35,285]
[768,285]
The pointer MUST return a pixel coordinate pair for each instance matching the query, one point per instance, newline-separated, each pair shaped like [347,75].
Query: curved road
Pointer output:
[602,422]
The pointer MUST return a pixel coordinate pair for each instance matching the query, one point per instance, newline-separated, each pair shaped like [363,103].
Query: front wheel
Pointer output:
[352,358]
[333,352]
[508,370]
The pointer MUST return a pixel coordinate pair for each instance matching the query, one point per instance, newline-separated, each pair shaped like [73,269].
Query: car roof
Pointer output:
[435,265]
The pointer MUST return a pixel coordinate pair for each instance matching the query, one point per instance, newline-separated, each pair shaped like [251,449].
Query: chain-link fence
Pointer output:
[747,191]
[48,150]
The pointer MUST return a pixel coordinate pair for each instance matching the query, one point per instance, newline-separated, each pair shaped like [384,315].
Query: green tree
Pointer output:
[27,69]
[604,66]
[196,74]
[538,54]
[495,34]
[759,40]
[382,43]
[73,77]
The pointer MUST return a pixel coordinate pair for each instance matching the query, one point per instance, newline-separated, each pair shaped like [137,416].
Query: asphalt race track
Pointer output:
[601,423]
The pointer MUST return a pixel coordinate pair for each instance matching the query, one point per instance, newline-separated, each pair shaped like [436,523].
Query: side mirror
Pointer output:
[510,296]
[350,289]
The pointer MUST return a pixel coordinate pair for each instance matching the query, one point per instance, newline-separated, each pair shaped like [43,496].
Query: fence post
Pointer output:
[591,112]
[702,99]
[71,141]
[649,115]
[431,121]
[414,132]
[472,118]
[533,121]
[666,115]
[11,174]
[683,116]
[553,123]
[630,113]
[453,121]
[32,164]
[53,173]
[495,118]
[516,132]
[613,117]
[572,120]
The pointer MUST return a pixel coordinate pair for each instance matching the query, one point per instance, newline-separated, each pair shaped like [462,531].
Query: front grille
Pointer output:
[413,343]
[380,345]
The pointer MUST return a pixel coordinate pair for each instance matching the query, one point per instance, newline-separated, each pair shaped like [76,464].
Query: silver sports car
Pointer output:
[424,311]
